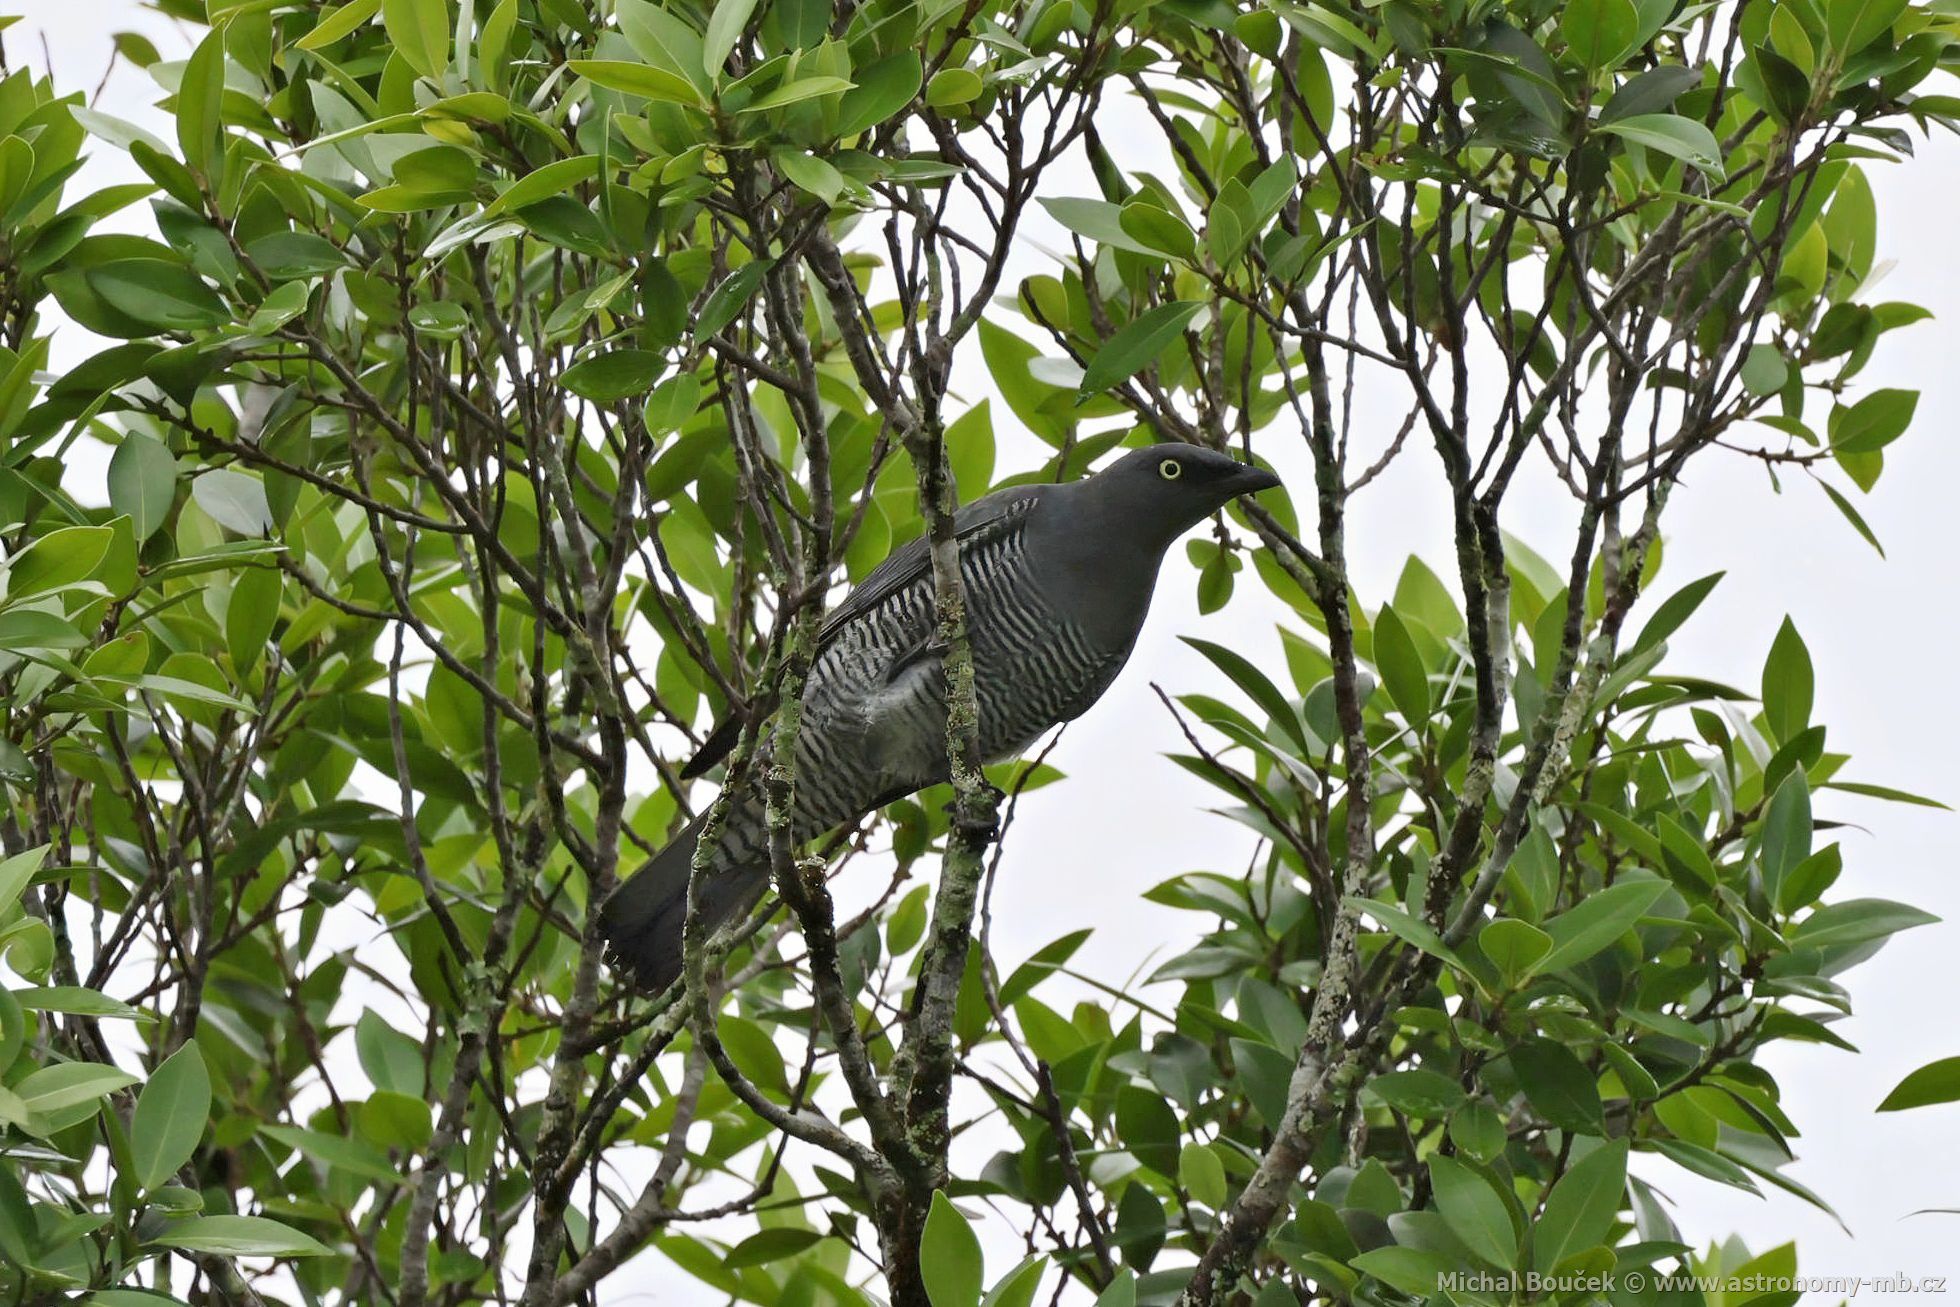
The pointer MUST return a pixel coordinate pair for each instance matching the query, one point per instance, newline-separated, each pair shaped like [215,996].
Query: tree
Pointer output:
[502,394]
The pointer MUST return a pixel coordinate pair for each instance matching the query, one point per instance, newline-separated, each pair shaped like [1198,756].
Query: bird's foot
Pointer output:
[981,827]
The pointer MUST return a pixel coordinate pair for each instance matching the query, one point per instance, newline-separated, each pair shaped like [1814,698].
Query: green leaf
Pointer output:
[170,1116]
[69,1084]
[729,299]
[949,1256]
[542,183]
[1650,92]
[239,1236]
[811,174]
[1473,1211]
[1418,1092]
[57,560]
[1851,515]
[1558,1085]
[1162,231]
[1597,921]
[1414,1271]
[419,31]
[340,1153]
[1478,1131]
[807,88]
[114,130]
[1684,856]
[765,1246]
[1215,573]
[953,86]
[20,1232]
[1670,134]
[251,614]
[16,873]
[881,91]
[1122,1291]
[1634,1078]
[160,295]
[1400,664]
[31,628]
[1580,1210]
[1873,422]
[1787,829]
[339,23]
[1936,1082]
[1786,84]
[1887,794]
[1020,1286]
[1098,221]
[1202,1175]
[1148,1127]
[390,1059]
[235,500]
[1806,882]
[1765,370]
[1514,947]
[1676,609]
[279,307]
[1267,1075]
[663,39]
[1857,921]
[725,27]
[1408,929]
[1257,687]
[493,43]
[1136,345]
[671,404]
[74,1000]
[200,108]
[1704,1162]
[970,449]
[614,375]
[1854,24]
[1789,685]
[1599,32]
[643,80]
[395,1120]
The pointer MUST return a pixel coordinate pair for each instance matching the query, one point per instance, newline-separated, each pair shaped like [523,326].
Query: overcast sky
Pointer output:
[1882,633]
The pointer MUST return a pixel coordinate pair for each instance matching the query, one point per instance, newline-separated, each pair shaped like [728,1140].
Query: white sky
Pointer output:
[1881,633]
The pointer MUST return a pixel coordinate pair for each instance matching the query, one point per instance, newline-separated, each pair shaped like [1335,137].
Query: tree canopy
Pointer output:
[499,392]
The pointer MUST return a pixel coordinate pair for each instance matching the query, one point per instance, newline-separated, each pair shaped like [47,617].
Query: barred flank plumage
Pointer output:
[1057,581]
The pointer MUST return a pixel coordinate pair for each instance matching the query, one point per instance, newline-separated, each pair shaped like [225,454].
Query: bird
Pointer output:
[1057,579]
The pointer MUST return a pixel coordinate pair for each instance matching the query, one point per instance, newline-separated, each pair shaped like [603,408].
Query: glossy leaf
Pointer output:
[1136,345]
[1936,1082]
[239,1236]
[949,1256]
[169,1117]
[1582,1206]
[1670,134]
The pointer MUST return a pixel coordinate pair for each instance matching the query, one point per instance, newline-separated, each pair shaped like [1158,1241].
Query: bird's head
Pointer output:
[1178,486]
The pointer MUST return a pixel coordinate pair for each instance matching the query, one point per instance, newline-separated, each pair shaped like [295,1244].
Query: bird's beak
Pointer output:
[1249,480]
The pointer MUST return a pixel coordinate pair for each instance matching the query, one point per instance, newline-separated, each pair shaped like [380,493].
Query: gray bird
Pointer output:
[1058,580]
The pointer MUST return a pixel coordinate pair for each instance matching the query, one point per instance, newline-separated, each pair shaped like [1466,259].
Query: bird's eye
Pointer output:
[1170,469]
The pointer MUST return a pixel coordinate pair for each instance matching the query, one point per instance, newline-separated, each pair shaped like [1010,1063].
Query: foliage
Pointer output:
[501,387]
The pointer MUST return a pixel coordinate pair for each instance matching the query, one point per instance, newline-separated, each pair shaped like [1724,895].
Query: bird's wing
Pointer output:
[908,565]
[911,563]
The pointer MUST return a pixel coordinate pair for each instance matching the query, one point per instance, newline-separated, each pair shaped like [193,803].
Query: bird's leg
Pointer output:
[984,829]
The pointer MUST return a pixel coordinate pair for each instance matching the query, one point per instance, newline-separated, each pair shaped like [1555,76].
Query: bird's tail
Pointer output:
[643,920]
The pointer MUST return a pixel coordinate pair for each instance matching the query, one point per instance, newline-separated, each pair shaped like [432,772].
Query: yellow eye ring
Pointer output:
[1170,469]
